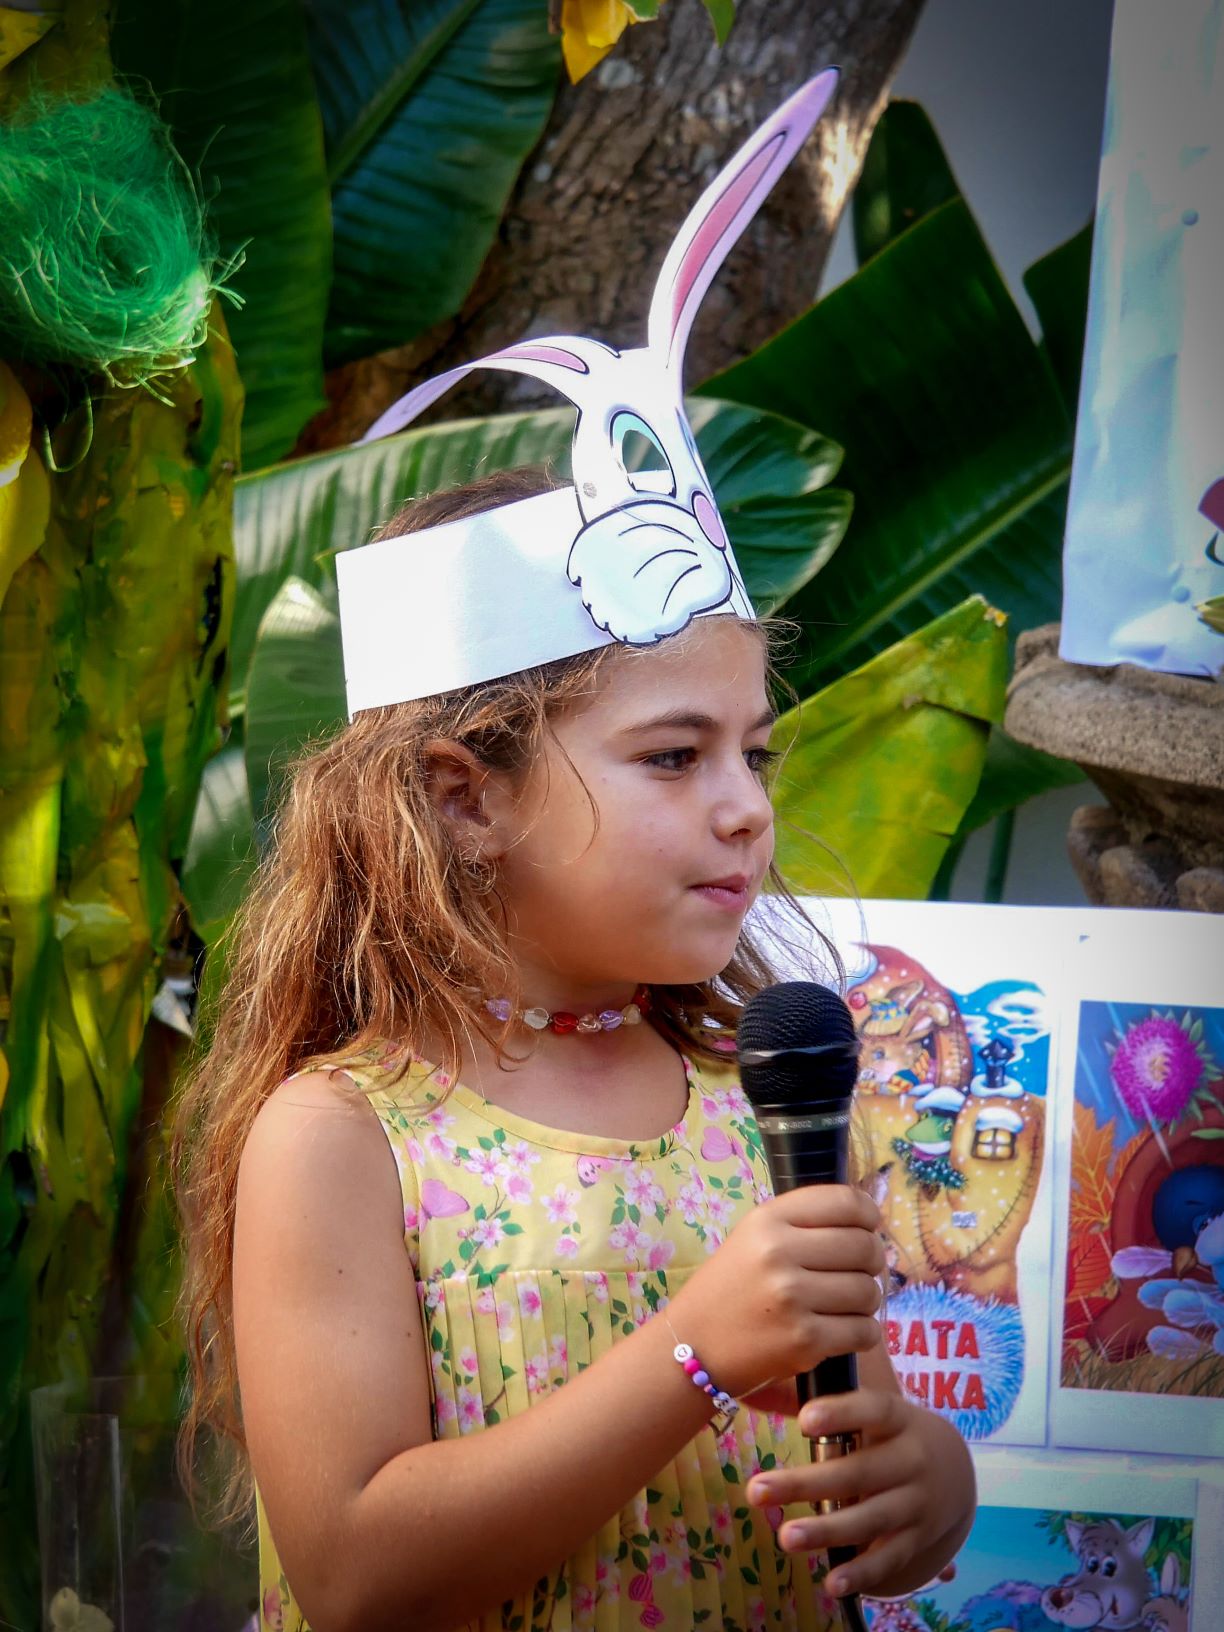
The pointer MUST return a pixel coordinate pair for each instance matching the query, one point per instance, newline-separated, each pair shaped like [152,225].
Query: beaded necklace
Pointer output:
[563,1021]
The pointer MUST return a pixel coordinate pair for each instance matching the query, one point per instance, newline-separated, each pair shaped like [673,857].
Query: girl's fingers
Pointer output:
[856,1526]
[880,1561]
[874,1411]
[892,1464]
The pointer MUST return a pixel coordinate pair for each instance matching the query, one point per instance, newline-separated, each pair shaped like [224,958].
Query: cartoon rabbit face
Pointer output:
[652,550]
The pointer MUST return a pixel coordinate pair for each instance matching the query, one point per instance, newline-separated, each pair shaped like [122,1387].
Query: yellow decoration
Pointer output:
[25,493]
[589,30]
[19,30]
[69,1614]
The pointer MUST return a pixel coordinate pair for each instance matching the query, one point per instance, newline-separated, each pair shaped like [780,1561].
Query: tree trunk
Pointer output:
[625,154]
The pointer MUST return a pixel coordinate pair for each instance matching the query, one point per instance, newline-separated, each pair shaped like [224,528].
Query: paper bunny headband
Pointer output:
[619,556]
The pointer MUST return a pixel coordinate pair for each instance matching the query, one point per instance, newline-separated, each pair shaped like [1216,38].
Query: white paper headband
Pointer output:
[646,551]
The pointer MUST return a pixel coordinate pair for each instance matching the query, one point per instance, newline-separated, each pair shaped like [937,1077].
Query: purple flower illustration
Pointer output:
[1156,1069]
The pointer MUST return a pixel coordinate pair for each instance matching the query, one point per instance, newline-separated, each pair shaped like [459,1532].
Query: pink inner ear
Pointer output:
[541,354]
[1212,504]
[719,220]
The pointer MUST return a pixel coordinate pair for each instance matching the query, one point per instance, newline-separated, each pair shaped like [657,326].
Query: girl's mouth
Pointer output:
[729,900]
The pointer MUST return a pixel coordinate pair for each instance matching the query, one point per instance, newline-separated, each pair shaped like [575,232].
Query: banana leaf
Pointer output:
[233,80]
[905,176]
[429,112]
[295,690]
[957,443]
[881,765]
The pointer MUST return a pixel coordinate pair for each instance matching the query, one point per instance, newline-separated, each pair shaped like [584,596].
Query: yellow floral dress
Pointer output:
[534,1251]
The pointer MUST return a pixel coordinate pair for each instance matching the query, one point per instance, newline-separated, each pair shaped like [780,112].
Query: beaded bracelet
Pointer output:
[725,1405]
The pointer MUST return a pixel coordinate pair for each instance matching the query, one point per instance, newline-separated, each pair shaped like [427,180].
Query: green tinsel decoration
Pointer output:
[105,260]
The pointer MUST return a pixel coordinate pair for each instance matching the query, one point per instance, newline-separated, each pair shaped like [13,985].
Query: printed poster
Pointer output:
[1141,1231]
[954,1017]
[1123,1550]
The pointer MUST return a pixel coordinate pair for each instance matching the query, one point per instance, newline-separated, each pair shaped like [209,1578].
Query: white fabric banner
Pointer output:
[1145,525]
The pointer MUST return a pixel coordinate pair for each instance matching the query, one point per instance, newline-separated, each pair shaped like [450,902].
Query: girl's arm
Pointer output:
[377,1525]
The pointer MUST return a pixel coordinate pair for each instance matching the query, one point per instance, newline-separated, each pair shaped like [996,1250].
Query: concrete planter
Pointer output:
[1154,745]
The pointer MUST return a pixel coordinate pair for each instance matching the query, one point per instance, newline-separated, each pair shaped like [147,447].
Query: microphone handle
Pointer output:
[799,1157]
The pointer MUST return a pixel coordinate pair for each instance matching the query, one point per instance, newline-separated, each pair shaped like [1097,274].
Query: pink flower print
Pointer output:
[714,1238]
[756,1614]
[633,1283]
[485,1301]
[737,1100]
[711,1104]
[597,1282]
[720,1520]
[607,1580]
[488,1231]
[485,1164]
[433,1294]
[440,1145]
[675,1537]
[440,1201]
[719,1208]
[561,1205]
[529,1299]
[728,1445]
[558,1353]
[715,1145]
[439,1118]
[468,1362]
[661,1254]
[642,1190]
[691,1200]
[415,1150]
[584,1600]
[411,1218]
[437,1362]
[518,1187]
[273,1610]
[535,1373]
[630,1239]
[681,1566]
[777,1423]
[471,1411]
[567,1246]
[444,1409]
[442,1078]
[658,1561]
[505,1318]
[519,1157]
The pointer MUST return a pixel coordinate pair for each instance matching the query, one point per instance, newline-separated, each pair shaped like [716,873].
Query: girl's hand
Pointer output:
[902,1484]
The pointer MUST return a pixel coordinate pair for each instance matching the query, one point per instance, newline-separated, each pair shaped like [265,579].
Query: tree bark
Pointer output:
[625,154]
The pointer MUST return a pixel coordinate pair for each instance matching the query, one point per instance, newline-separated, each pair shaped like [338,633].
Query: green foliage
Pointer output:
[233,80]
[429,111]
[881,764]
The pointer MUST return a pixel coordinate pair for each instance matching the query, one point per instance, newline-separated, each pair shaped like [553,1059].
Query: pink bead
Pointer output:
[692,1364]
[701,1378]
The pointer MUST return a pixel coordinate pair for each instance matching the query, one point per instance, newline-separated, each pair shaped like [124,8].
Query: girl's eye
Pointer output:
[759,758]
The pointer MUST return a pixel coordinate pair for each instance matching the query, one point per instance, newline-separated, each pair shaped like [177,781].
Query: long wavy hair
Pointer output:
[364,924]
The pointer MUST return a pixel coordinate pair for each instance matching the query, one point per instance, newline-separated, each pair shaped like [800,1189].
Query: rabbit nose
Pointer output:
[709,520]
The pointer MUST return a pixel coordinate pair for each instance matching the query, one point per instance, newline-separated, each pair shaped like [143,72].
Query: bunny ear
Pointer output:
[557,360]
[722,212]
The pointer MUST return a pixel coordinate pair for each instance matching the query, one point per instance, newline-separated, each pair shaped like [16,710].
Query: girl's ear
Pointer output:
[720,215]
[467,797]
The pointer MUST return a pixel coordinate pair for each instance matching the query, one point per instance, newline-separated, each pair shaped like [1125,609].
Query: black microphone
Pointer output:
[798,1062]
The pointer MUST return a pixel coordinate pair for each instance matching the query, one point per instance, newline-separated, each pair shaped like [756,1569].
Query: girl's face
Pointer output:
[681,804]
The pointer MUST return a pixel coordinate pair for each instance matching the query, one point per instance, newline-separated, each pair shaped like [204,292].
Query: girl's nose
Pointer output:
[746,806]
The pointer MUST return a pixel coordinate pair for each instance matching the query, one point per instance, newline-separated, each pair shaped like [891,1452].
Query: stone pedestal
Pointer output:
[1154,745]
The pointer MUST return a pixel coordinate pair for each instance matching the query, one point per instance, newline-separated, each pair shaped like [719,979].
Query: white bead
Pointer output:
[537,1019]
[682,1352]
[633,1015]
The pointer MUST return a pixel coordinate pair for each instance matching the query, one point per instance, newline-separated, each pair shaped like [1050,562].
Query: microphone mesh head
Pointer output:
[810,1031]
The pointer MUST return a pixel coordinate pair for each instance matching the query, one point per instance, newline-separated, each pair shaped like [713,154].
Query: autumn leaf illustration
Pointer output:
[1092,1184]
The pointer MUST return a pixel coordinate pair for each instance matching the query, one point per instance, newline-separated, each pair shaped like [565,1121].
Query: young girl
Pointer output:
[479,1226]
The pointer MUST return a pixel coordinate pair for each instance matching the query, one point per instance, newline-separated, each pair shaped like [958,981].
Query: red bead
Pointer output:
[642,998]
[563,1021]
[692,1364]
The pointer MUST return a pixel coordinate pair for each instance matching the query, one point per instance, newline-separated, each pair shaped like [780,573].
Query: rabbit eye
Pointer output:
[641,453]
